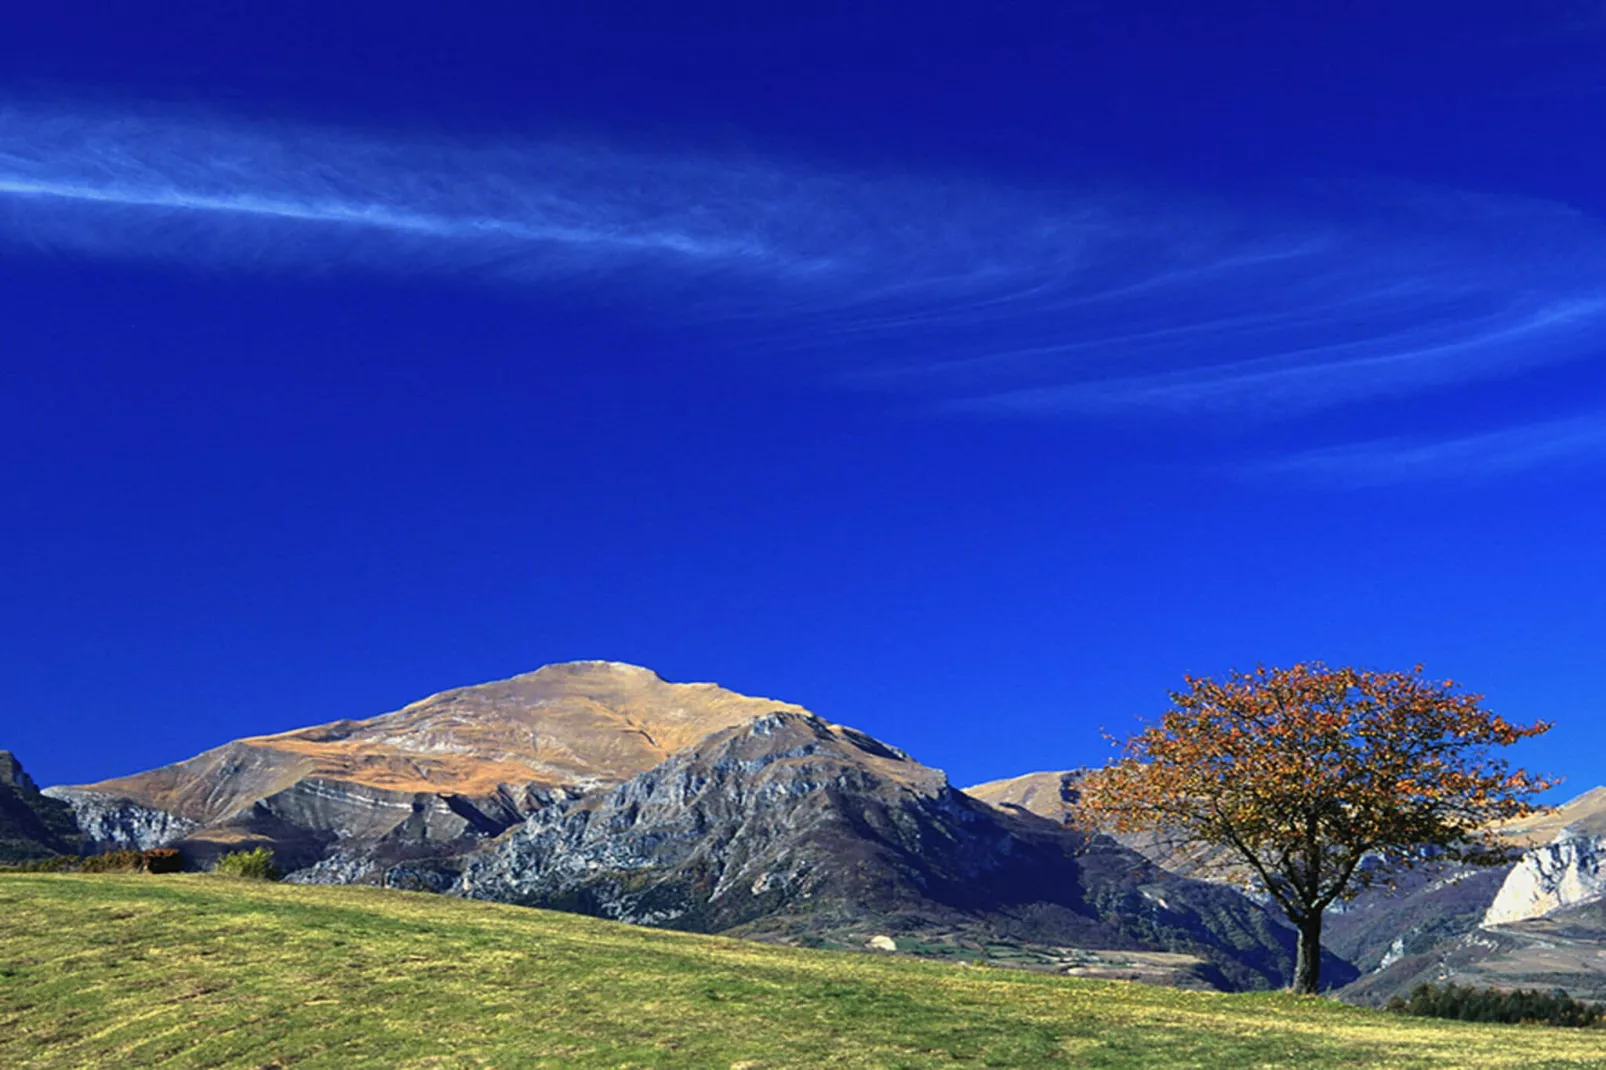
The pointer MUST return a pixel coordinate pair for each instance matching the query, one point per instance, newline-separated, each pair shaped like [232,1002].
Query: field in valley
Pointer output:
[202,971]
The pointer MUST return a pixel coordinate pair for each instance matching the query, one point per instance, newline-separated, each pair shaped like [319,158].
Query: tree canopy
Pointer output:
[1321,781]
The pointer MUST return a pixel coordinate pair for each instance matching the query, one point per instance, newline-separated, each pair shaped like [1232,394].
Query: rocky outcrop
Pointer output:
[1569,872]
[340,832]
[719,835]
[110,823]
[32,825]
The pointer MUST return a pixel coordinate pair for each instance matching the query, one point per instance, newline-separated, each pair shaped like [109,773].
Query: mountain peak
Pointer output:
[31,825]
[573,724]
[593,666]
[12,774]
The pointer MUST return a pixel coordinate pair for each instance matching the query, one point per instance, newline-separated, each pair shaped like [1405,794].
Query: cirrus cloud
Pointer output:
[959,294]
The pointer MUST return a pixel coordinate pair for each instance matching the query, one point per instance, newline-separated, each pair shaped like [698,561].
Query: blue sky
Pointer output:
[967,375]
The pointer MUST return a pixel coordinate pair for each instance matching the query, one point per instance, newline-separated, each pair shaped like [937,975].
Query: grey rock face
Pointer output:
[326,831]
[111,823]
[711,837]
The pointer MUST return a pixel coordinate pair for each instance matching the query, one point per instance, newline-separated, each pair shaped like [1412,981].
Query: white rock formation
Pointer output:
[1567,872]
[114,824]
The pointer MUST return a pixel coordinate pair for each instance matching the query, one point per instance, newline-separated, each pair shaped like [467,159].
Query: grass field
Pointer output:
[192,971]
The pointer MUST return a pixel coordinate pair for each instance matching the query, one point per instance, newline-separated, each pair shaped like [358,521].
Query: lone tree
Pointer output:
[1322,781]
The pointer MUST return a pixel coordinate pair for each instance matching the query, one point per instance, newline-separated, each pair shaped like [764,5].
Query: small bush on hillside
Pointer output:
[1468,1004]
[114,862]
[256,864]
[163,860]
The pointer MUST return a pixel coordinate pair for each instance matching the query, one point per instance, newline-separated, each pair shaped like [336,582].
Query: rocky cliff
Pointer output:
[1540,923]
[32,825]
[1553,877]
[109,823]
[1567,870]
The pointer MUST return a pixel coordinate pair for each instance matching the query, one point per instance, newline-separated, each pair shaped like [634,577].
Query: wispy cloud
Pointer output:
[1548,446]
[959,294]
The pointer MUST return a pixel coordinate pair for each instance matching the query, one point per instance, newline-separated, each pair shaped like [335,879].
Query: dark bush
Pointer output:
[155,860]
[163,860]
[113,862]
[1468,1004]
[256,864]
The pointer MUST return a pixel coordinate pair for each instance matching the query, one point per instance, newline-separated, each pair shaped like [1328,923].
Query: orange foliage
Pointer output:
[1323,781]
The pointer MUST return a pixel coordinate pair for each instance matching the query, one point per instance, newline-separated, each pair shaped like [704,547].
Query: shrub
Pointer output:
[164,860]
[56,864]
[1469,1004]
[113,862]
[256,864]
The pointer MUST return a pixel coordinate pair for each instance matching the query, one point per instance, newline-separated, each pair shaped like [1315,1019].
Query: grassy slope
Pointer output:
[207,971]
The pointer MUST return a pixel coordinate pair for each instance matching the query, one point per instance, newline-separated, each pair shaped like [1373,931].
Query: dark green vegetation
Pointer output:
[208,971]
[1467,1004]
[155,860]
[31,825]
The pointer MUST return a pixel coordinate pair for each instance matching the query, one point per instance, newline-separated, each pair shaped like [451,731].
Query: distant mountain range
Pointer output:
[601,788]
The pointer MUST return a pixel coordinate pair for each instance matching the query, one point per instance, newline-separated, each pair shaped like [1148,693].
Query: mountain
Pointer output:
[1564,867]
[1049,794]
[1053,795]
[1565,949]
[601,788]
[32,825]
[1539,923]
[433,777]
[791,828]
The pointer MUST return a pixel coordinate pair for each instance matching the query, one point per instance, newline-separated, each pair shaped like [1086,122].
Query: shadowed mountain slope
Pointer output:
[32,825]
[1565,949]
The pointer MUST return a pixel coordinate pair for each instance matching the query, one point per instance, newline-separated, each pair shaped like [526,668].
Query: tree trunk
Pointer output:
[1308,962]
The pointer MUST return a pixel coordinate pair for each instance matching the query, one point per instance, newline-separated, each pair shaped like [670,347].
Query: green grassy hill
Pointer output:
[199,971]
